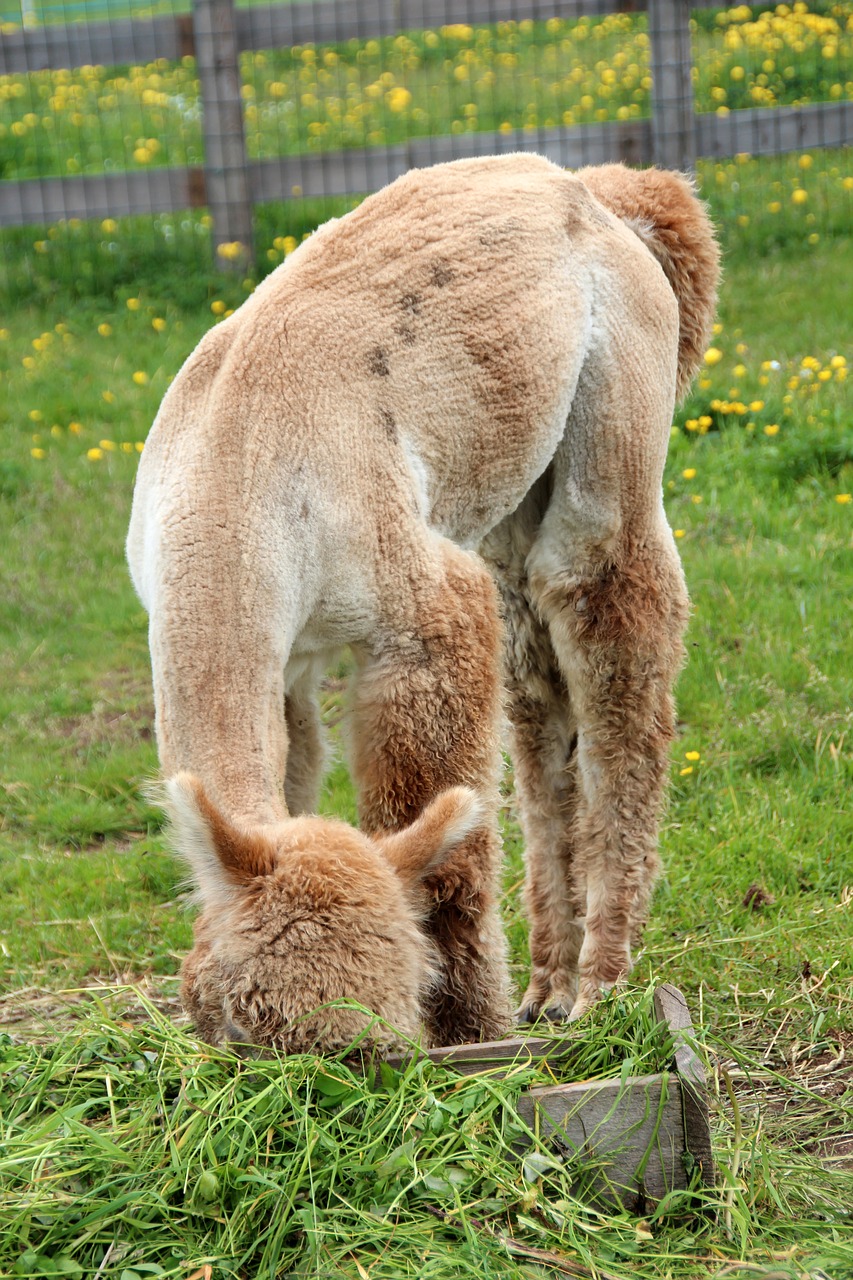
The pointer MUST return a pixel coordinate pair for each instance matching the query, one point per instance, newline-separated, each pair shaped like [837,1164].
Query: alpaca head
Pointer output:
[304,913]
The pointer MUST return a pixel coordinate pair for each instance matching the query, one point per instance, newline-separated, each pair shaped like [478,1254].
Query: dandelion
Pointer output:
[756,406]
[38,453]
[35,415]
[692,756]
[108,396]
[74,428]
[94,454]
[772,429]
[398,99]
[842,499]
[231,250]
[158,324]
[696,498]
[108,446]
[682,773]
[689,473]
[140,378]
[133,304]
[837,362]
[217,307]
[713,356]
[679,533]
[105,330]
[109,225]
[139,445]
[799,196]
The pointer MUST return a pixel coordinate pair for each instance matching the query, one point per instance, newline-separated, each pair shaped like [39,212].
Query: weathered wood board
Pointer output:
[629,1141]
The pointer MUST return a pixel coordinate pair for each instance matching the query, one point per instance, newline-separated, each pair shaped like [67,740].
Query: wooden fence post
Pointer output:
[228,194]
[673,113]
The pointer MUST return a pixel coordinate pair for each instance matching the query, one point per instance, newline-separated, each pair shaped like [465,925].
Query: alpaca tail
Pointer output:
[662,208]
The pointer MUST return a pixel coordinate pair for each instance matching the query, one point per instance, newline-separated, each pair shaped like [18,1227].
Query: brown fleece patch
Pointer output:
[244,855]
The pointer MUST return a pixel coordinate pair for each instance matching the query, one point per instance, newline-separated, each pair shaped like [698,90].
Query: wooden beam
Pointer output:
[41,201]
[225,160]
[767,131]
[673,113]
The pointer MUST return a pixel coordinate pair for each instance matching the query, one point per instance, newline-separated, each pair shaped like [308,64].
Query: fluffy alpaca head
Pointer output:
[306,913]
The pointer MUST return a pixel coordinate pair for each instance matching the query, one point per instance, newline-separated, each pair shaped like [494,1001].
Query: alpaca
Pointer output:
[435,434]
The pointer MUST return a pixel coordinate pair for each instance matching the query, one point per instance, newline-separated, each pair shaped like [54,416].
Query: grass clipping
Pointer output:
[132,1150]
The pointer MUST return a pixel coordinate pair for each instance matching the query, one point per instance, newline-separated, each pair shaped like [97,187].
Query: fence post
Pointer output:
[226,170]
[673,110]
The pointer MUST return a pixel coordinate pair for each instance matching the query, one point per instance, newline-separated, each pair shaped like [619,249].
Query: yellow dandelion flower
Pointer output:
[805,162]
[837,362]
[35,415]
[158,324]
[109,225]
[107,445]
[108,396]
[56,431]
[692,755]
[398,99]
[105,330]
[679,533]
[689,473]
[38,453]
[217,307]
[772,429]
[94,454]
[685,771]
[799,196]
[133,304]
[140,378]
[696,498]
[230,251]
[139,446]
[126,446]
[756,406]
[842,499]
[74,428]
[713,355]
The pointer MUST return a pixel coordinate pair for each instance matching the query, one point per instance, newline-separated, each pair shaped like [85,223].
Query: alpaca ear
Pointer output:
[221,856]
[444,824]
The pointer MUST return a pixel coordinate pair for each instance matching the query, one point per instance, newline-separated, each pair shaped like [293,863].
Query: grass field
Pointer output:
[128,1151]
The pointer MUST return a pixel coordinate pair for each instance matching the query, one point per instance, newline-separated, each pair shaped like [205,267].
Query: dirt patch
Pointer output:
[37,1015]
[122,714]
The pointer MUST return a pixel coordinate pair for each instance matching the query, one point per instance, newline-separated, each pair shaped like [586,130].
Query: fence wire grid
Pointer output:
[181,141]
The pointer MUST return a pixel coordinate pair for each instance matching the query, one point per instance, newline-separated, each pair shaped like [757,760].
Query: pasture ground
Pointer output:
[108,1162]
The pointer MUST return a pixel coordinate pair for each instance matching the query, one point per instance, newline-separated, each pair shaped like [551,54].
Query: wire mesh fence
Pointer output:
[174,142]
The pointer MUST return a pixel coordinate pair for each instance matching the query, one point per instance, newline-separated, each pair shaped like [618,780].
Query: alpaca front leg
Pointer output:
[426,717]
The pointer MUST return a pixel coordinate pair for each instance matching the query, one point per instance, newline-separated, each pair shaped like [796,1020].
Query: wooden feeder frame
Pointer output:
[631,1141]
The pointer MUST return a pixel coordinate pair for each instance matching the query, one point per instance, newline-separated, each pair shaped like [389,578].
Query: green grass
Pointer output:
[119,1133]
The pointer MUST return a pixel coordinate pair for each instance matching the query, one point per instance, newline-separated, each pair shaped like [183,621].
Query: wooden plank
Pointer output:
[42,201]
[493,1055]
[673,114]
[362,170]
[671,1008]
[764,131]
[76,44]
[225,163]
[623,1139]
[332,21]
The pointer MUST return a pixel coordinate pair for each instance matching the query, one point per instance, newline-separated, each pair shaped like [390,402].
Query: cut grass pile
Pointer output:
[125,1137]
[111,1118]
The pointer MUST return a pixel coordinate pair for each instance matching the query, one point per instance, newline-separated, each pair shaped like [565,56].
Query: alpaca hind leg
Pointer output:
[426,717]
[543,745]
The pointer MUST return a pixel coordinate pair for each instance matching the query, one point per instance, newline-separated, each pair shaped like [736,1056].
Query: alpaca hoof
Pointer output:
[557,1012]
[528,1014]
